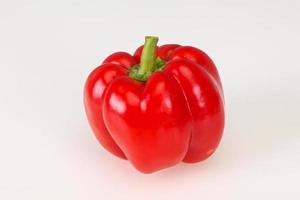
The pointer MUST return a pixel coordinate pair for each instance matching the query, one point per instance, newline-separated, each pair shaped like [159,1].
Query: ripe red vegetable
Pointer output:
[161,106]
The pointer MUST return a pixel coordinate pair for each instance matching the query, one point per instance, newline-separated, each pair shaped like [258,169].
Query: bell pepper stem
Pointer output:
[148,56]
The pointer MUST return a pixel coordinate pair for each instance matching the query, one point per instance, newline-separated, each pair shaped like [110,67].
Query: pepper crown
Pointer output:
[149,61]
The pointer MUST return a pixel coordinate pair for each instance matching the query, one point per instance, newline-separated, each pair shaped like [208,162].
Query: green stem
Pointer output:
[148,56]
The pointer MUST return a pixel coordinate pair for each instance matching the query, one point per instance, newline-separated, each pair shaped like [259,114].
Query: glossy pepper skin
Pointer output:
[176,115]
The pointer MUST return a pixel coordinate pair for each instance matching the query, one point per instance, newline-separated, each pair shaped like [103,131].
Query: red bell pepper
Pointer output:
[161,106]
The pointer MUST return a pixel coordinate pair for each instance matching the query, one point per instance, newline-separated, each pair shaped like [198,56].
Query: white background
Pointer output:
[47,49]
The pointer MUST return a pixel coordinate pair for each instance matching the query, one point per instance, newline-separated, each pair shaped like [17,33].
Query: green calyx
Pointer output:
[134,71]
[149,62]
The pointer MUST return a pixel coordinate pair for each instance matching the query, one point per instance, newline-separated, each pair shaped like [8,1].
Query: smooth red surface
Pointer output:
[177,115]
[121,58]
[97,82]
